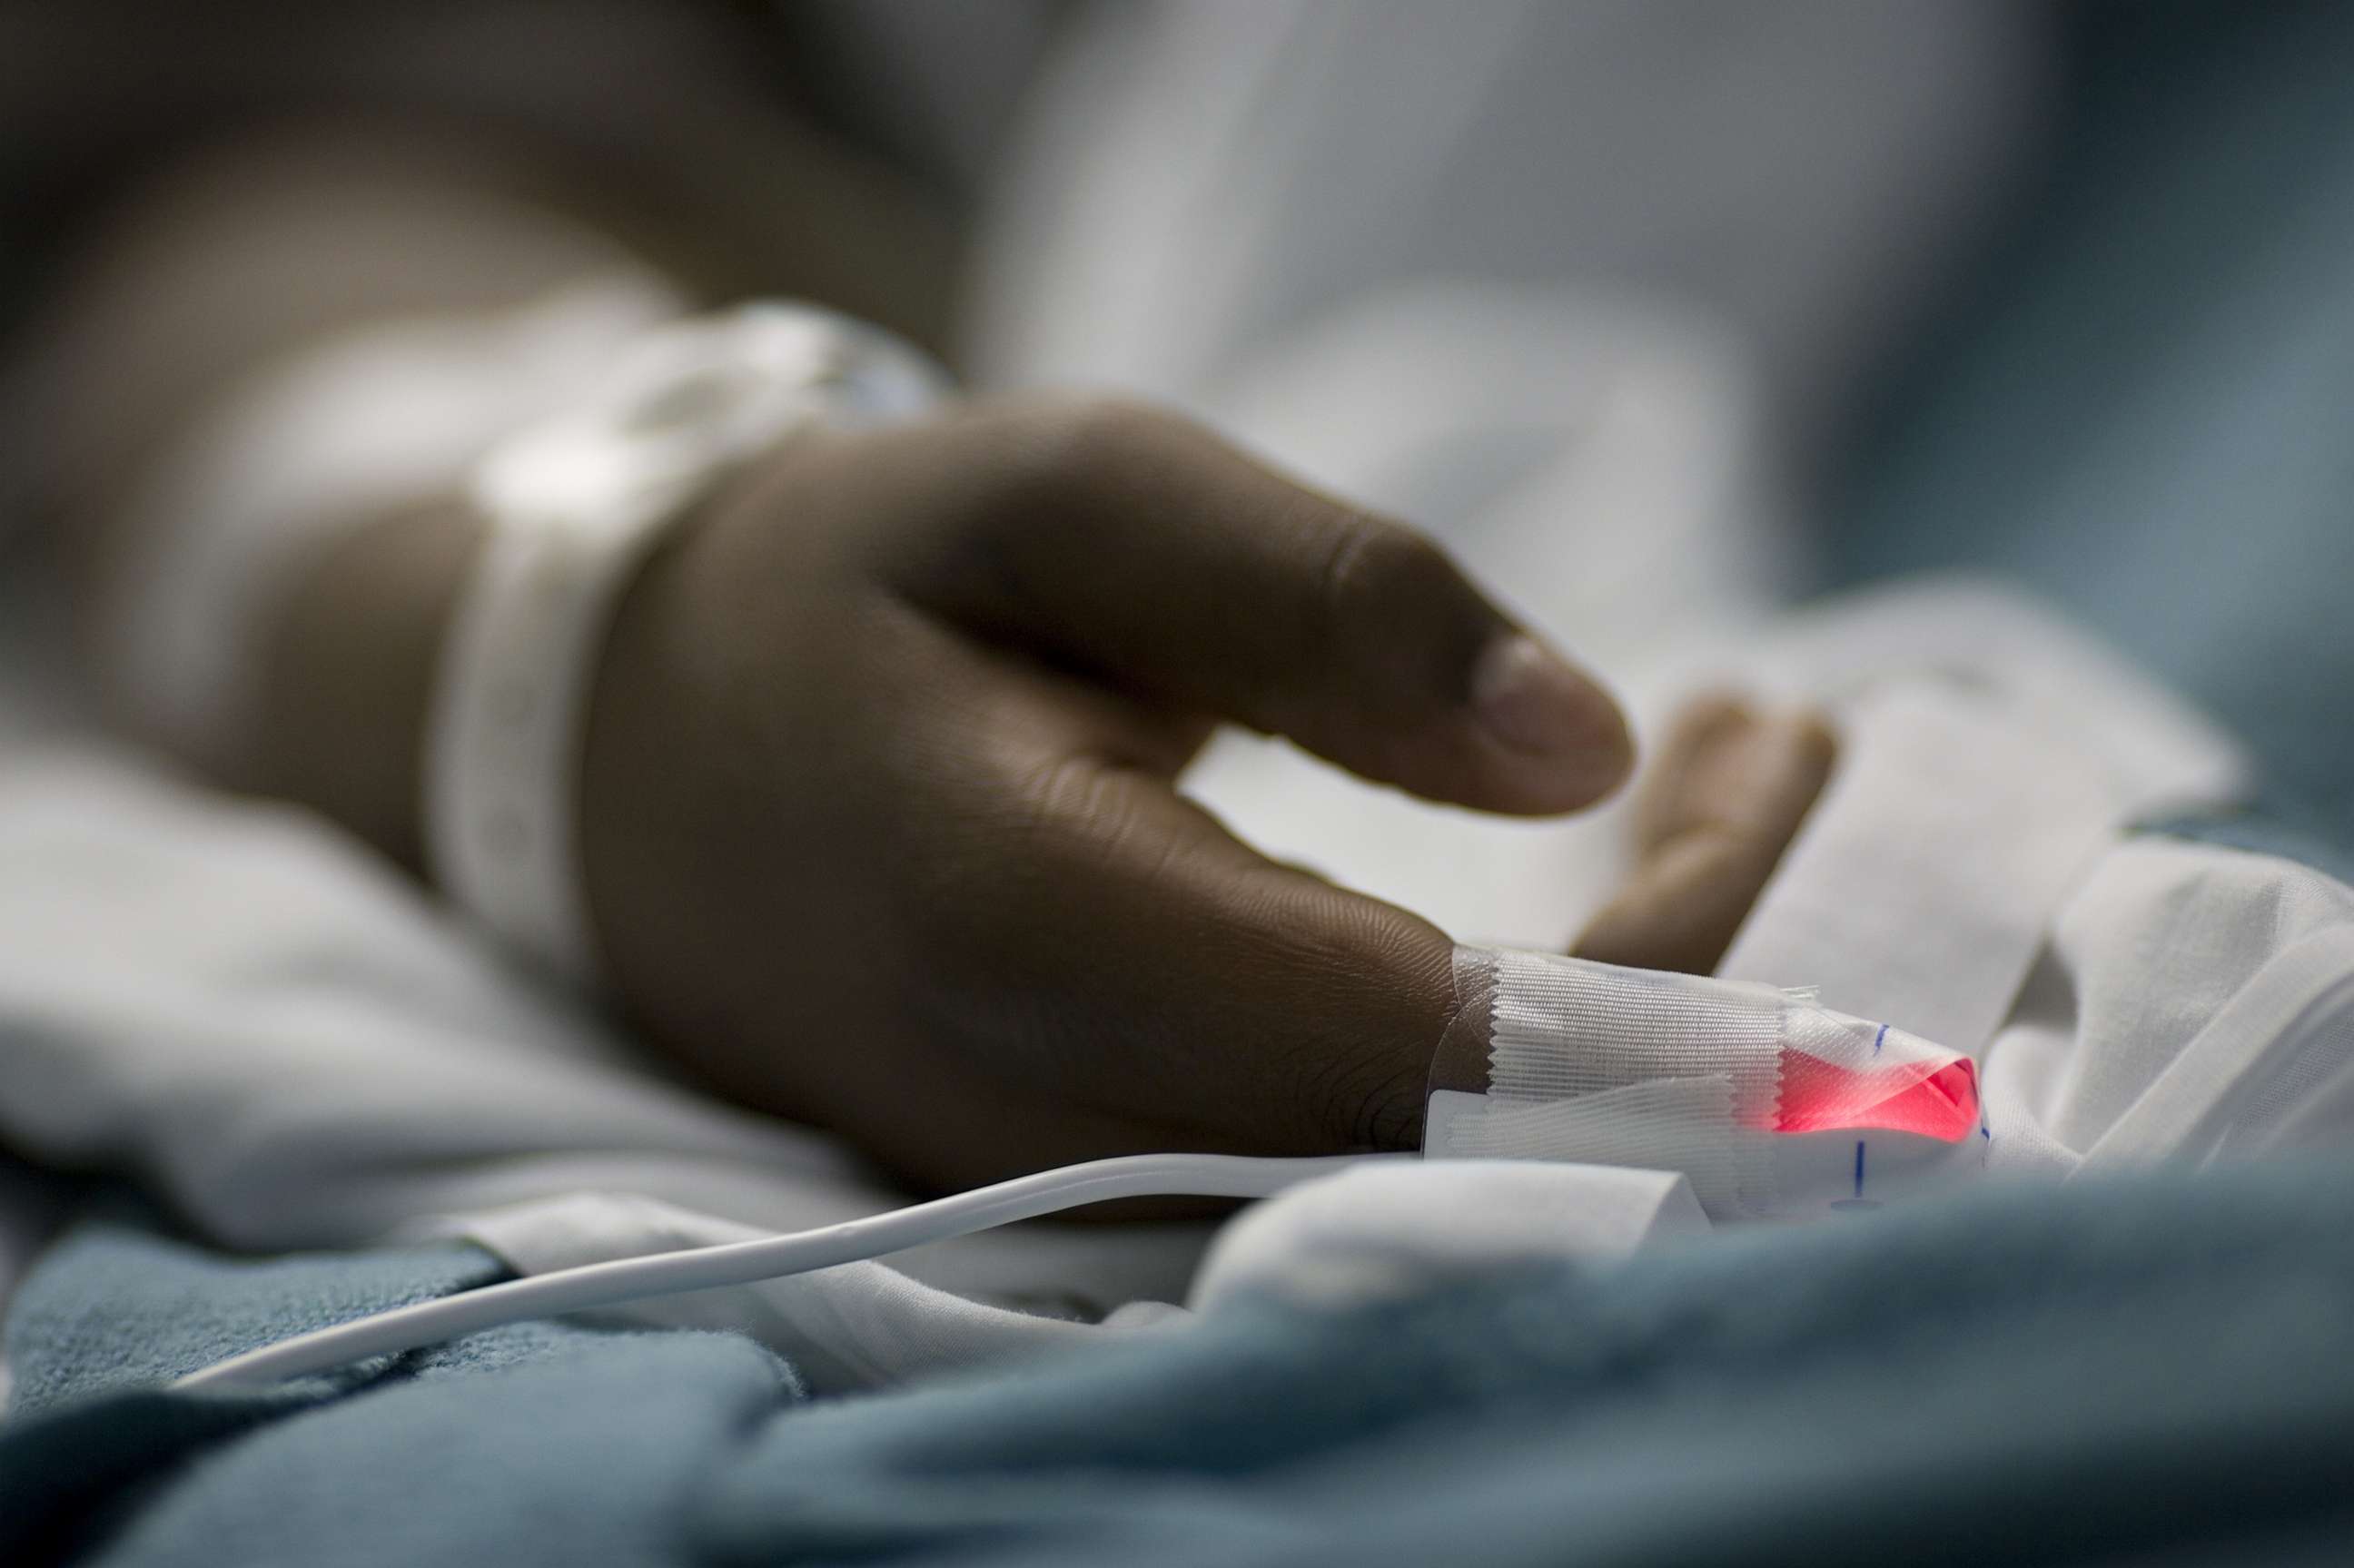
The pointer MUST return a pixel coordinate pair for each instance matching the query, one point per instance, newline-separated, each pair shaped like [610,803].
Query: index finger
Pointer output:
[1180,976]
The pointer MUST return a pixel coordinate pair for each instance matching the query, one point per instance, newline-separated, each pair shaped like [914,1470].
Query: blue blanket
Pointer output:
[2152,1369]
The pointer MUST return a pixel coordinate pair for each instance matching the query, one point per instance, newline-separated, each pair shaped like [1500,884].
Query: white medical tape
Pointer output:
[1560,1027]
[573,506]
[1683,1125]
[1924,882]
[1771,1105]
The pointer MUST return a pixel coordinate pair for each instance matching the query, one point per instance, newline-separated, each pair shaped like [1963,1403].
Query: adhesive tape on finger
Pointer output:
[1774,1106]
[573,506]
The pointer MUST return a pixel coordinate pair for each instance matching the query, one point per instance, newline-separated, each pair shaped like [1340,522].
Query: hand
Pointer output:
[879,829]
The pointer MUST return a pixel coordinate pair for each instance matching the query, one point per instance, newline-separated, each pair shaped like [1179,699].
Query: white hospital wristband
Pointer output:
[573,506]
[310,449]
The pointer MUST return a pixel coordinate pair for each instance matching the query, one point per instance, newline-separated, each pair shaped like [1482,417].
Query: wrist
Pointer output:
[349,659]
[575,507]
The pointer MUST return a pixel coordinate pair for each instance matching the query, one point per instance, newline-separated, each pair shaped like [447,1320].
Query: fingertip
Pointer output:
[1705,716]
[1557,738]
[1815,740]
[1726,760]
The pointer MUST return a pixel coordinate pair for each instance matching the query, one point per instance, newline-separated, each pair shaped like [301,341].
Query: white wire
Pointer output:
[769,1258]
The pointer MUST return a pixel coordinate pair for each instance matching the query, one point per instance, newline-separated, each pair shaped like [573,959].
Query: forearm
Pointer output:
[222,276]
[347,672]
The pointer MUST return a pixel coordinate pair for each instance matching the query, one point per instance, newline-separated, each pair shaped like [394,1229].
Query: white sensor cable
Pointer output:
[770,1257]
[1772,1105]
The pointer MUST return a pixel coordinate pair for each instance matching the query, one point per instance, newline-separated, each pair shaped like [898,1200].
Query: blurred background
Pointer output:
[1663,313]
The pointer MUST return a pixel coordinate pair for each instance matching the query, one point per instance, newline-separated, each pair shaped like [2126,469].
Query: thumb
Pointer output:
[1143,549]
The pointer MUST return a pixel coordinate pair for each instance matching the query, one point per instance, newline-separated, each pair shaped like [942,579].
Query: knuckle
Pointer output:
[1374,574]
[1037,841]
[1068,805]
[1041,476]
[1087,441]
[1054,468]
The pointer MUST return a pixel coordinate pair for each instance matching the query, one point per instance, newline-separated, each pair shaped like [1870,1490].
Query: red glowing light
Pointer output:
[1933,1098]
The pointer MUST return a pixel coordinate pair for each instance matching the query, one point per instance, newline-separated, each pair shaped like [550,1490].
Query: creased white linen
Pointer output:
[296,1048]
[2207,1012]
[1388,1228]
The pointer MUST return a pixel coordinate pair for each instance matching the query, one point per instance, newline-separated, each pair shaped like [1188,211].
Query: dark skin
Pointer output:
[1014,941]
[879,820]
[949,676]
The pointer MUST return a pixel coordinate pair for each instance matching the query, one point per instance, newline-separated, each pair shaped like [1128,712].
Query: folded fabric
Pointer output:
[2146,1369]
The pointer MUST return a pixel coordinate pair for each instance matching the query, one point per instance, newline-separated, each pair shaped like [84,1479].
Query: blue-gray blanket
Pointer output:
[2153,1371]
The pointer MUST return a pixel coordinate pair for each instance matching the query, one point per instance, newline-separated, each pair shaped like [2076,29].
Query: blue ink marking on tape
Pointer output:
[1859,1168]
[1879,1038]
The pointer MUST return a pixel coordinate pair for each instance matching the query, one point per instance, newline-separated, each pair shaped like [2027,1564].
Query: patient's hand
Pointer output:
[879,828]
[877,819]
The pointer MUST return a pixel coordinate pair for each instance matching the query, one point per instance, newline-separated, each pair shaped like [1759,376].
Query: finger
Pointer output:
[1143,549]
[1726,797]
[1126,953]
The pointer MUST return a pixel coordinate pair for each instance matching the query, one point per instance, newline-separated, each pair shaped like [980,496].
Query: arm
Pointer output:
[878,825]
[228,268]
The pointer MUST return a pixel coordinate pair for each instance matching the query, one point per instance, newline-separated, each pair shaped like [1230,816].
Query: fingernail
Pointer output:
[1534,703]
